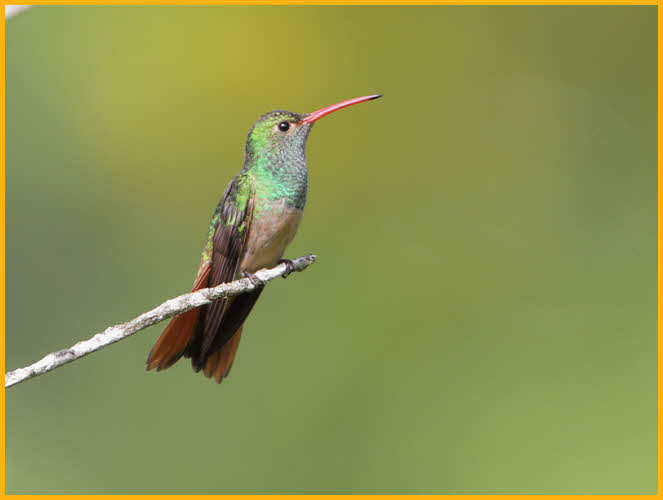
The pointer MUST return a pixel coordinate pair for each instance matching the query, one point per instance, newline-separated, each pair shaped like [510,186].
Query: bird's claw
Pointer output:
[257,282]
[289,267]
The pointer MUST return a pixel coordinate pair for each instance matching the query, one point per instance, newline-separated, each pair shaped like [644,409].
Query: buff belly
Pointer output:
[272,229]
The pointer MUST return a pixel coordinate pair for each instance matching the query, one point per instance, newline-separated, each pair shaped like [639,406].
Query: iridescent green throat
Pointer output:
[276,160]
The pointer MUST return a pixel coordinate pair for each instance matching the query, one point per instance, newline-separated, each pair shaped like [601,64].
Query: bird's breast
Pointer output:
[272,229]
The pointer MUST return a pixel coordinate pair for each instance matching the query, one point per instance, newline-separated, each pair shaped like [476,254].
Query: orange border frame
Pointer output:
[340,2]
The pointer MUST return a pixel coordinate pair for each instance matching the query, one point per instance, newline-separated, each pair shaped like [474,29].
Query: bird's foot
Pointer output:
[257,282]
[289,267]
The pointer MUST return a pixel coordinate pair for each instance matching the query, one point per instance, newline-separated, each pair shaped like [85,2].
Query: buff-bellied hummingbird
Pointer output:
[250,229]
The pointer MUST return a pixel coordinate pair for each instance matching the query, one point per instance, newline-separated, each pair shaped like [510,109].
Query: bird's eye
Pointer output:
[284,126]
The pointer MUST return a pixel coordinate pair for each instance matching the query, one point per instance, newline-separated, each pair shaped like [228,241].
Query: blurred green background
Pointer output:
[482,318]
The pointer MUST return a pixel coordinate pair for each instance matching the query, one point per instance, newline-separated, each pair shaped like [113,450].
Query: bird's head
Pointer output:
[278,132]
[284,133]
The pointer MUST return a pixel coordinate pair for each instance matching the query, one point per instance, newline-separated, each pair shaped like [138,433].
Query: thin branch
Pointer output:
[166,310]
[13,10]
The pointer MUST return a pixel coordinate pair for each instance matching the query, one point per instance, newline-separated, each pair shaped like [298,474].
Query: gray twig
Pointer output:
[166,310]
[13,10]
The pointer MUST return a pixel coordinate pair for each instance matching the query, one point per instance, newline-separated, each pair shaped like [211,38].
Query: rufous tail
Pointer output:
[218,364]
[174,340]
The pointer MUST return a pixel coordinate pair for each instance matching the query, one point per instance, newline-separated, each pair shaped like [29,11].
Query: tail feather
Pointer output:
[173,341]
[175,338]
[218,365]
[182,336]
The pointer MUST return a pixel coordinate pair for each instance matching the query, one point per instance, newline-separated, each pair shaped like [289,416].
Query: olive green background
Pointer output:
[482,318]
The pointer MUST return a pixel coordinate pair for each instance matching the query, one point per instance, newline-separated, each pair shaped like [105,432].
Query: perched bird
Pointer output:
[250,229]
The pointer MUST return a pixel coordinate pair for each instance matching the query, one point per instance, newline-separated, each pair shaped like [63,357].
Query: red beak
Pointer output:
[310,118]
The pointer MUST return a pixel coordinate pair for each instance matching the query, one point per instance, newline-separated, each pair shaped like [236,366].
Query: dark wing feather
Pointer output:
[228,248]
[234,316]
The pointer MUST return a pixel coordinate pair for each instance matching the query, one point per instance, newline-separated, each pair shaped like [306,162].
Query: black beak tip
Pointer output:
[375,96]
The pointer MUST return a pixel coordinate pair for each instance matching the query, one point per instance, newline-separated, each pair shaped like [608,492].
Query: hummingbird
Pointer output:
[252,225]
